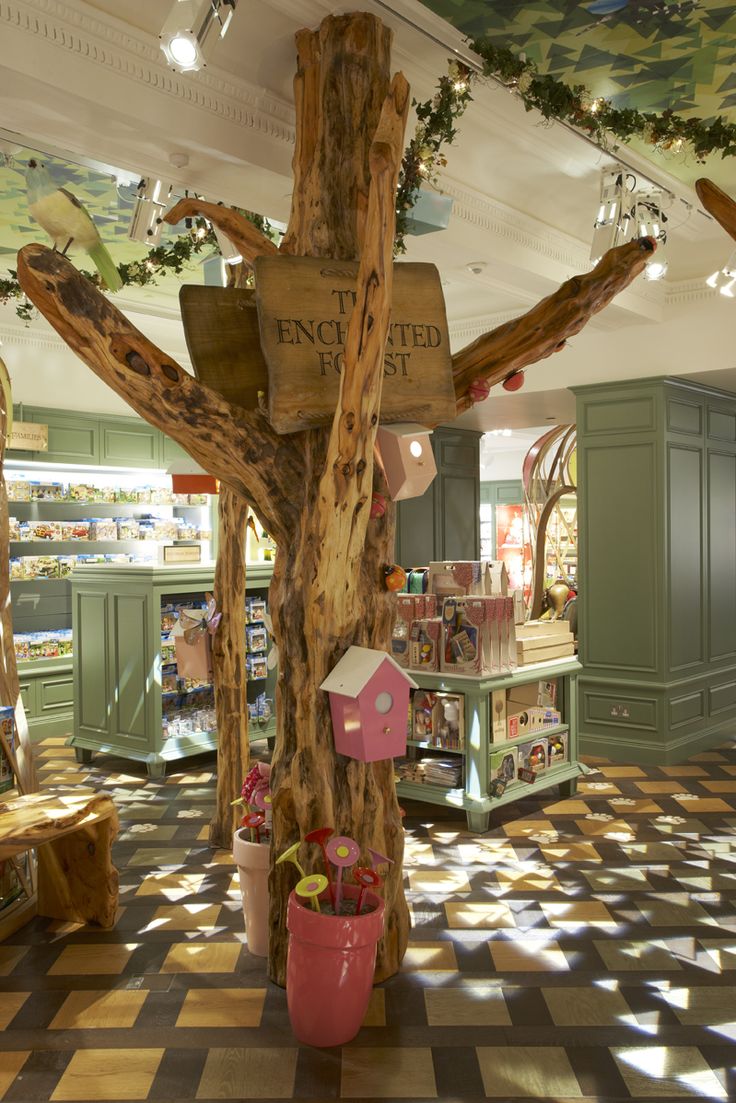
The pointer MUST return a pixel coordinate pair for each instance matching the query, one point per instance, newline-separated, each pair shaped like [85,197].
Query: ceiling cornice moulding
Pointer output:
[75,28]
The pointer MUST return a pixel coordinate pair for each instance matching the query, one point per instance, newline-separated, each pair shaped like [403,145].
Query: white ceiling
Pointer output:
[88,78]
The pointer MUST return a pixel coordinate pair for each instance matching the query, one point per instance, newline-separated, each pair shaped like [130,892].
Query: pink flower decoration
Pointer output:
[342,851]
[257,778]
[378,859]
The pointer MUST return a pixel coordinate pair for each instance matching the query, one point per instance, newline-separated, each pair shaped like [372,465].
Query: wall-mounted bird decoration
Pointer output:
[67,222]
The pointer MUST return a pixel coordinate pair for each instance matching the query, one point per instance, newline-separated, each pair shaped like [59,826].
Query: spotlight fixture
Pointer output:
[613,223]
[148,214]
[649,217]
[725,279]
[192,30]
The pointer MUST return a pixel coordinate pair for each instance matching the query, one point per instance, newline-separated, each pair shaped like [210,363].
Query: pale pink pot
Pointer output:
[329,969]
[254,862]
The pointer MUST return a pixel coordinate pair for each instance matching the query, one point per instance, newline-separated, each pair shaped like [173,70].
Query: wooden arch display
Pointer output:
[312,489]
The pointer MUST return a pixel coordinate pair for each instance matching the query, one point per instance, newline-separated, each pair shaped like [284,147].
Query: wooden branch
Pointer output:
[345,64]
[228,668]
[238,447]
[547,326]
[718,204]
[346,485]
[247,238]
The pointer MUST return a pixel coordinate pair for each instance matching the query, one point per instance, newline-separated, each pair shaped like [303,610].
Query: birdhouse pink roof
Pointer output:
[355,670]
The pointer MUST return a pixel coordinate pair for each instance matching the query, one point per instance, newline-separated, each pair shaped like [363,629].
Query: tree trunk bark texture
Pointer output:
[312,490]
[228,667]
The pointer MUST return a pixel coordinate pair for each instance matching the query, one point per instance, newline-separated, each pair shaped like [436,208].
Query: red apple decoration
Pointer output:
[514,382]
[479,390]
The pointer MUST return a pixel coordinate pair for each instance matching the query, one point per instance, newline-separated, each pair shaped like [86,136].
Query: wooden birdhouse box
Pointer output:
[407,458]
[369,702]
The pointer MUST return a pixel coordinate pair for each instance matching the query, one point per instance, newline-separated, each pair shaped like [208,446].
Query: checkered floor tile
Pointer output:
[584,949]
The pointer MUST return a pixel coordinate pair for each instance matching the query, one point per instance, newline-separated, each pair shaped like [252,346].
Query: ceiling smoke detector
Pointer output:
[476,267]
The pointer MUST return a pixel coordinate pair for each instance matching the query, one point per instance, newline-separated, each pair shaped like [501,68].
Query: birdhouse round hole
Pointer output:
[416,448]
[384,703]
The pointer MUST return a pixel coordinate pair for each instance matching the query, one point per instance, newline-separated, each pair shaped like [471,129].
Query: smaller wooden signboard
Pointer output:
[221,329]
[27,436]
[304,306]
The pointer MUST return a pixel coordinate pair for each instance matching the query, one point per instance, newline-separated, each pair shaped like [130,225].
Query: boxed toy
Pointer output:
[557,751]
[496,577]
[533,755]
[542,694]
[504,764]
[424,643]
[256,638]
[449,720]
[19,490]
[462,635]
[525,719]
[13,528]
[7,747]
[47,492]
[463,578]
[402,629]
[422,711]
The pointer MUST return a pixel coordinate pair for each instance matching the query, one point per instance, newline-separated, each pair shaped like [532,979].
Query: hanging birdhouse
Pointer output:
[369,701]
[407,458]
[430,213]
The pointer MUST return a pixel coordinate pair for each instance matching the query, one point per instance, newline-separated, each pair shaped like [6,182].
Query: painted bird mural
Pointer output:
[66,221]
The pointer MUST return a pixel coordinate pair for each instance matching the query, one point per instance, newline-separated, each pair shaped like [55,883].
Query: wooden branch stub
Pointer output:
[545,328]
[718,204]
[247,238]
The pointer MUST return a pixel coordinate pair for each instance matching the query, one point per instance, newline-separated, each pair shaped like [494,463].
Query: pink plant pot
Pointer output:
[254,862]
[329,969]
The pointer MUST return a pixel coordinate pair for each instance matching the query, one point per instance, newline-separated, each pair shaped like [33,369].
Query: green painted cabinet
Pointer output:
[474,797]
[126,443]
[118,706]
[47,691]
[444,523]
[657,531]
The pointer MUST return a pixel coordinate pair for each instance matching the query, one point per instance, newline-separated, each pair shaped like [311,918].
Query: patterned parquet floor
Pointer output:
[583,949]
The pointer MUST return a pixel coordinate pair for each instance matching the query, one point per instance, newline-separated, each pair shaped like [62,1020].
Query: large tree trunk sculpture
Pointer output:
[228,667]
[312,490]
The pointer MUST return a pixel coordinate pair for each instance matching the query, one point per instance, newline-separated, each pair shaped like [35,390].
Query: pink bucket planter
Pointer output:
[329,969]
[254,862]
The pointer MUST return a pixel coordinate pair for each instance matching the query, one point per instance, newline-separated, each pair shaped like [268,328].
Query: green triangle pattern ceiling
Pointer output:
[648,54]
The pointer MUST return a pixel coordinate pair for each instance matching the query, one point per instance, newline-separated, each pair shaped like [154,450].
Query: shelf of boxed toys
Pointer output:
[474,797]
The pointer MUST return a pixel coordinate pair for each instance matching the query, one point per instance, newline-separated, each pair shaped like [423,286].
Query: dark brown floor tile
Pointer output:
[596,1072]
[38,1077]
[456,1072]
[317,1074]
[178,1074]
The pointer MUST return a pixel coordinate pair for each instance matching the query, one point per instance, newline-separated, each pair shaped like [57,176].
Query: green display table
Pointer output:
[474,797]
[119,701]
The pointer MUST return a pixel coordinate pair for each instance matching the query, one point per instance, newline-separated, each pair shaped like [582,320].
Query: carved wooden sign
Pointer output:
[304,306]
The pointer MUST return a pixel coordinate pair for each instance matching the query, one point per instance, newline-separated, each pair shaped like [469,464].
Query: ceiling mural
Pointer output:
[108,202]
[649,54]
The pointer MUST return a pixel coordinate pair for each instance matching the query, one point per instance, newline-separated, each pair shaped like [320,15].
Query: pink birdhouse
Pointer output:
[407,458]
[369,700]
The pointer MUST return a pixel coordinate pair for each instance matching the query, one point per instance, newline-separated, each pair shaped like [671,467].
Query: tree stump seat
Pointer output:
[72,831]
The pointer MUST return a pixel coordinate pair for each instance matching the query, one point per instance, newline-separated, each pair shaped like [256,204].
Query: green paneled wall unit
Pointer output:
[657,532]
[444,523]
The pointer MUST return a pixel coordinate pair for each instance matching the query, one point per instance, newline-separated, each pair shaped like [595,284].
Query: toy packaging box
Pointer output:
[438,719]
[504,764]
[541,694]
[557,749]
[424,644]
[533,755]
[525,719]
[461,579]
[462,635]
[7,747]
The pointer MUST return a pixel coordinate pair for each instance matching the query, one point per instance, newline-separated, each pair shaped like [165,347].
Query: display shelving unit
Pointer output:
[42,603]
[119,701]
[473,798]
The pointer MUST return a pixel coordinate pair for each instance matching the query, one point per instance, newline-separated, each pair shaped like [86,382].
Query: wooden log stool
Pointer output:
[73,833]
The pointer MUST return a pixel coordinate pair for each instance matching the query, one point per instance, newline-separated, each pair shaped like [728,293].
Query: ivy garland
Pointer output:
[424,157]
